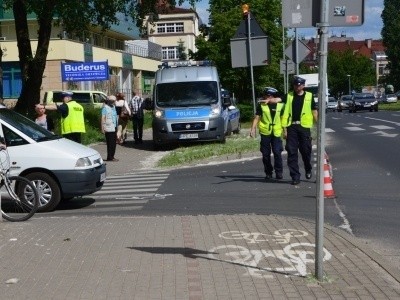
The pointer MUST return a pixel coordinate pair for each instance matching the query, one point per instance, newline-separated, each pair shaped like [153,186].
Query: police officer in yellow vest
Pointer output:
[72,118]
[299,115]
[268,119]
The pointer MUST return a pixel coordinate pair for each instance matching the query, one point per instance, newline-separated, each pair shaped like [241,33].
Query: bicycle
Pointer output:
[21,199]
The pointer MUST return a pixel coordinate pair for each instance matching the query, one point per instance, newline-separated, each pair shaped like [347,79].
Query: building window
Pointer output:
[169,27]
[170,53]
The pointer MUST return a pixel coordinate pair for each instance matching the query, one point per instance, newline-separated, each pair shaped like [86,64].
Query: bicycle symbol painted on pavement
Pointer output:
[292,259]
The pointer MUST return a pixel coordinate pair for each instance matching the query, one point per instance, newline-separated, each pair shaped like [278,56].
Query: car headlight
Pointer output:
[158,113]
[83,162]
[374,102]
[215,110]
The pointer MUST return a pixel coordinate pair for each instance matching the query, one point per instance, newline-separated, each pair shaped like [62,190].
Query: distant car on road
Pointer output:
[363,101]
[332,104]
[390,98]
[343,102]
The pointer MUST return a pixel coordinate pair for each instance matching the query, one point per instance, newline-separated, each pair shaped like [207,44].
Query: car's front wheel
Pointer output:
[48,189]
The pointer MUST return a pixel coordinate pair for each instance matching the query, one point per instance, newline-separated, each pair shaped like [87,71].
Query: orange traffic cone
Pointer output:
[328,188]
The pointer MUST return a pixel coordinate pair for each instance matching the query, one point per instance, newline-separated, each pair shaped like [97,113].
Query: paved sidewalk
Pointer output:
[183,257]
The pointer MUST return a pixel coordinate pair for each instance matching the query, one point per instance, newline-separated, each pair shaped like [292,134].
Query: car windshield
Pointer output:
[346,98]
[187,94]
[363,96]
[391,96]
[26,126]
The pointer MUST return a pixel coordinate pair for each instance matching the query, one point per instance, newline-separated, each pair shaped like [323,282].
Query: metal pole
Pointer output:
[349,84]
[322,96]
[251,62]
[285,74]
[296,51]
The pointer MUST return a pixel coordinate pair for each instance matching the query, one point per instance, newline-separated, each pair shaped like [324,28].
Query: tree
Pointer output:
[225,17]
[341,64]
[75,17]
[391,38]
[181,50]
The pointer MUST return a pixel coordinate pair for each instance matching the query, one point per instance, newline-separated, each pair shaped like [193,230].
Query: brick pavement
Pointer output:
[183,257]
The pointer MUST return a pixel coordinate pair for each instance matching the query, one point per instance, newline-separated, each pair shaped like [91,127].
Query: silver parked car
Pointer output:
[390,98]
[332,104]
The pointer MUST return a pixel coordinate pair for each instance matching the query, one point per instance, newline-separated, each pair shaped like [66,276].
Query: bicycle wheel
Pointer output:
[19,199]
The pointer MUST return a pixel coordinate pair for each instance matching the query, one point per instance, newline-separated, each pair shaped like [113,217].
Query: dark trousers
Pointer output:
[298,140]
[111,141]
[74,136]
[268,143]
[137,122]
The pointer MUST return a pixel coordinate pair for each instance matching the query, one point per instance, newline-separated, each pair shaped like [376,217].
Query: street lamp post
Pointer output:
[349,76]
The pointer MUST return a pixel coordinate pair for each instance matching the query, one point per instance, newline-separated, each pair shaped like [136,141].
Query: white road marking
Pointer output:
[382,127]
[354,128]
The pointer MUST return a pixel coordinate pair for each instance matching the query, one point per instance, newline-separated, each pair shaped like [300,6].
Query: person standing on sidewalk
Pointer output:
[137,110]
[43,120]
[299,115]
[124,113]
[109,126]
[72,117]
[268,119]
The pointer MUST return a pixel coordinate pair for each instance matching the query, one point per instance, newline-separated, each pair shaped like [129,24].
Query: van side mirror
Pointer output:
[226,101]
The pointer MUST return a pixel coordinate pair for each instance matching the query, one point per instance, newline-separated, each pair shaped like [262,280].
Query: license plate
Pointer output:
[186,136]
[102,177]
[367,105]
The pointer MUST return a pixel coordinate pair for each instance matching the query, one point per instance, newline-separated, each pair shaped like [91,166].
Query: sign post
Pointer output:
[321,14]
[249,33]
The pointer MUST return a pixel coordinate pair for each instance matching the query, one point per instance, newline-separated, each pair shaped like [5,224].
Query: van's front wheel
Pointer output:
[48,189]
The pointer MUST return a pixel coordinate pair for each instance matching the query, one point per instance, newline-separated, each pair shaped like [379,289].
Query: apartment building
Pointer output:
[373,49]
[131,65]
[175,27]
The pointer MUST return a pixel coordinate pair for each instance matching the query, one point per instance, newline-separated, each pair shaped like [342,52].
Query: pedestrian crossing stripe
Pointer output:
[130,186]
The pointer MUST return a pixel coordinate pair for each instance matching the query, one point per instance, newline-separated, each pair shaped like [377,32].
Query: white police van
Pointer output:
[187,104]
[59,168]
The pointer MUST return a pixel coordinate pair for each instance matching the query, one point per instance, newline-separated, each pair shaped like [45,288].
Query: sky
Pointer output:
[371,29]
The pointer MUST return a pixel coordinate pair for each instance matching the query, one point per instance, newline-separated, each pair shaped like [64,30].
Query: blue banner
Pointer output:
[84,71]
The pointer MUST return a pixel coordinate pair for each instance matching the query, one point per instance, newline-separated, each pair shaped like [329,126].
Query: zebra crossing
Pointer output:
[129,191]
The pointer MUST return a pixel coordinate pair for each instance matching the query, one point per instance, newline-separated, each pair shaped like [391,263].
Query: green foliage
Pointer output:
[391,38]
[246,112]
[225,17]
[341,64]
[235,145]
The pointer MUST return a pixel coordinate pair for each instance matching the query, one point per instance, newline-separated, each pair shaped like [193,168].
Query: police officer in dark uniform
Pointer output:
[268,119]
[299,115]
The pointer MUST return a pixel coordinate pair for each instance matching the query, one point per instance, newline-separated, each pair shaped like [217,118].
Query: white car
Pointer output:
[390,98]
[61,169]
[332,104]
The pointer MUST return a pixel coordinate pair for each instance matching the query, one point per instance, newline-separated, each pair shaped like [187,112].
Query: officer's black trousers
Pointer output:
[298,139]
[268,143]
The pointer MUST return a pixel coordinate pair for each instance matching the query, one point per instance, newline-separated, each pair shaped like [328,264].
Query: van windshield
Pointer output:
[183,94]
[26,126]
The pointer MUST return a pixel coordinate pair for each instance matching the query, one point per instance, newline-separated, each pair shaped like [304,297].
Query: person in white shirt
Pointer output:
[137,110]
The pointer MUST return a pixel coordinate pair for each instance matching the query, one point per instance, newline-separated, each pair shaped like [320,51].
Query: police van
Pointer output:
[187,104]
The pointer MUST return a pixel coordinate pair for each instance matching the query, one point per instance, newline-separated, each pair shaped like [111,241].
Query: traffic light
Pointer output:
[246,10]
